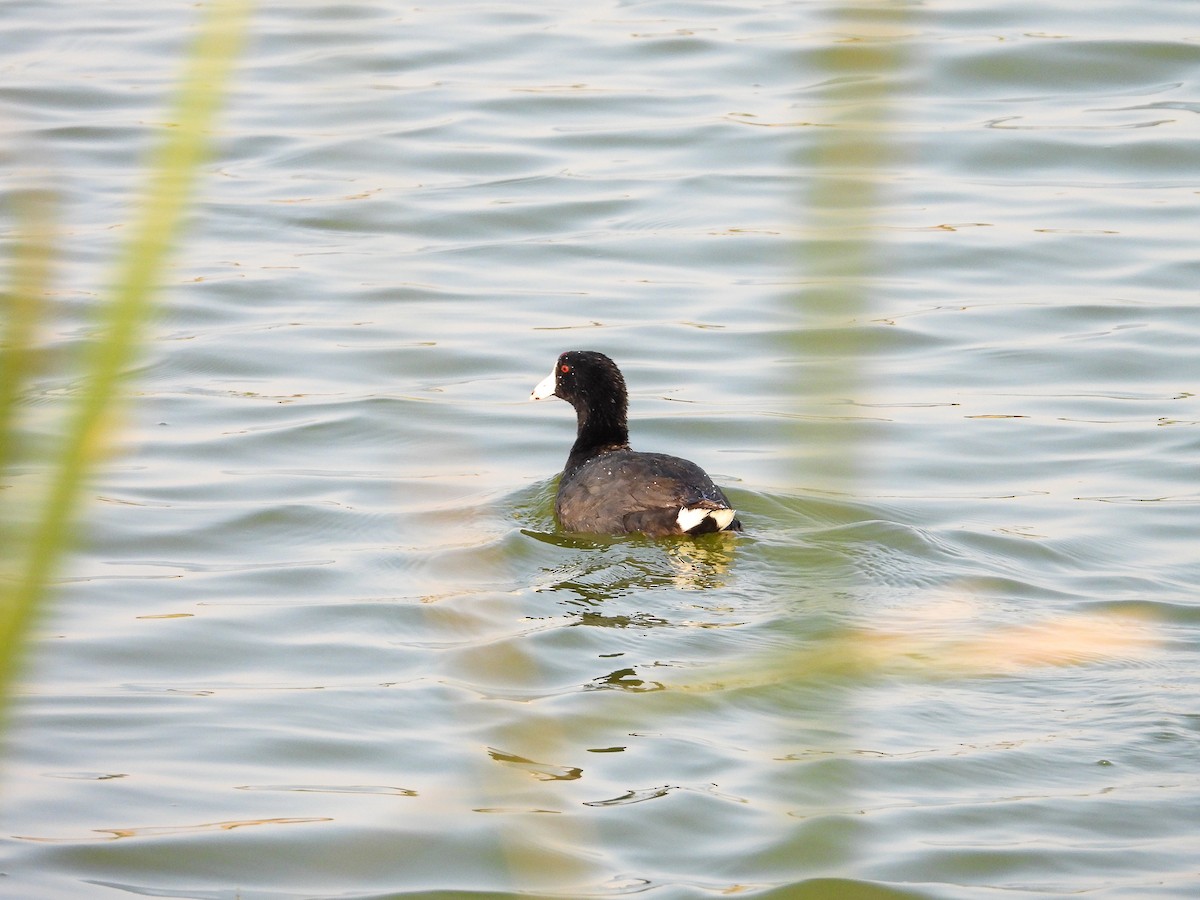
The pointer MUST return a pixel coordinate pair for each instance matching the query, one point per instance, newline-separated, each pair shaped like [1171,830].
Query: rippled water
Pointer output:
[916,282]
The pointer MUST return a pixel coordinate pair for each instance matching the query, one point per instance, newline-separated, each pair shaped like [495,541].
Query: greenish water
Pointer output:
[916,283]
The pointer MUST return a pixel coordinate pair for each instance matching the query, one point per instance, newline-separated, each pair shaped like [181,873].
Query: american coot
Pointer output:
[606,488]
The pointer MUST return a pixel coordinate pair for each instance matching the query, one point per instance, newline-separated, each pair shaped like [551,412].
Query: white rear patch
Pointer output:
[690,517]
[545,387]
[722,517]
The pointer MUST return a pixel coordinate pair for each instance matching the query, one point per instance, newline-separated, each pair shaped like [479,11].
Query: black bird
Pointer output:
[607,488]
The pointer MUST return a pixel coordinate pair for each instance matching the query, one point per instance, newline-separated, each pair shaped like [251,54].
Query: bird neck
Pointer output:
[600,430]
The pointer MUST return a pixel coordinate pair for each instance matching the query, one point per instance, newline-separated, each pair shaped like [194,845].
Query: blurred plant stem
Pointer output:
[848,159]
[36,538]
[30,280]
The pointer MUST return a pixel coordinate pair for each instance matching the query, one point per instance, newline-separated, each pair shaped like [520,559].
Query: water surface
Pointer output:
[916,283]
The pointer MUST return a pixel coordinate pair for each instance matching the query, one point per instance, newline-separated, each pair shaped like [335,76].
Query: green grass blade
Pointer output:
[172,174]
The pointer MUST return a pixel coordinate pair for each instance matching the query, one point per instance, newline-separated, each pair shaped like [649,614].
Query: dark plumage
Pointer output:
[607,488]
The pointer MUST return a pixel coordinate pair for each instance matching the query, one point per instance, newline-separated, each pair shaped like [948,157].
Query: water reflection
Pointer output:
[636,620]
[625,680]
[594,575]
[540,771]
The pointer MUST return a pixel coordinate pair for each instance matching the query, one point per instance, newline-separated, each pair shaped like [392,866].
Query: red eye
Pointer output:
[564,368]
